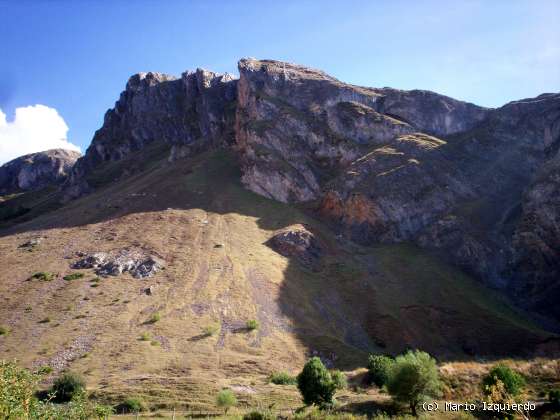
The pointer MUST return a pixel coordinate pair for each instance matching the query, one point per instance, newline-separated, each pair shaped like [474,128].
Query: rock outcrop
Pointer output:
[190,114]
[475,185]
[299,242]
[536,242]
[137,263]
[36,170]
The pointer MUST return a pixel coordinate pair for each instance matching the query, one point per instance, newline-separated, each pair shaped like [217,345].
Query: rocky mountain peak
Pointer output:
[380,165]
[36,170]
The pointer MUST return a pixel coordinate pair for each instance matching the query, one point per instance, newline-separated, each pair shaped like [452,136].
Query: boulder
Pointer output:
[298,242]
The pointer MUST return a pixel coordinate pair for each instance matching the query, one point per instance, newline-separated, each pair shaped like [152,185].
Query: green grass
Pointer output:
[42,276]
[156,317]
[4,330]
[73,276]
[22,207]
[211,329]
[282,378]
[145,336]
[45,370]
[252,324]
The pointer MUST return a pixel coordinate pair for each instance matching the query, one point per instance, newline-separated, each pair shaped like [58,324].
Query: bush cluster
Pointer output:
[67,387]
[73,276]
[18,399]
[42,275]
[132,405]
[379,368]
[513,382]
[282,378]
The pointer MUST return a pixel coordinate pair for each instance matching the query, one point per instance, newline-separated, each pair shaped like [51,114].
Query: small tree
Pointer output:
[513,381]
[413,378]
[379,367]
[339,379]
[226,399]
[67,386]
[315,383]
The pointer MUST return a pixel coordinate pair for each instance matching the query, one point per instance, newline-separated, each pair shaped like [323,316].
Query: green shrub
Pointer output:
[67,387]
[4,330]
[18,390]
[45,320]
[45,370]
[315,383]
[145,336]
[211,329]
[513,381]
[379,367]
[132,405]
[339,379]
[252,324]
[554,398]
[414,377]
[17,387]
[42,275]
[73,276]
[156,316]
[226,399]
[155,343]
[282,378]
[259,415]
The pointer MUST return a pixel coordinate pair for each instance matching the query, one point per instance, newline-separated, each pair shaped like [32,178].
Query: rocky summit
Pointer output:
[36,170]
[380,165]
[339,220]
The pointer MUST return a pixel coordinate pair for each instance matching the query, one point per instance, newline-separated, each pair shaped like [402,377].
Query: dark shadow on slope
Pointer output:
[363,299]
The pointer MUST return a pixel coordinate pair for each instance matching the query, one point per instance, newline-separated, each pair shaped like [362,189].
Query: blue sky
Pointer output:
[75,56]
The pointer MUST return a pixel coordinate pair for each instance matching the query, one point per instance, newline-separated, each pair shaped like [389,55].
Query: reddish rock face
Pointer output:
[387,165]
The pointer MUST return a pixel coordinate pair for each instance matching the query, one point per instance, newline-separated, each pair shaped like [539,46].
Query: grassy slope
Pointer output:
[377,299]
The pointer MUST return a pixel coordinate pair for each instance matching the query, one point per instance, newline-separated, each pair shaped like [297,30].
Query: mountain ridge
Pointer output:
[378,166]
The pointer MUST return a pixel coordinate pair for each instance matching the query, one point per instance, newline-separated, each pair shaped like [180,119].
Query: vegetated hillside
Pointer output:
[218,230]
[216,242]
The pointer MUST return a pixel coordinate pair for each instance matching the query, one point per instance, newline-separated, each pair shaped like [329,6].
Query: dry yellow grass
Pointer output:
[212,234]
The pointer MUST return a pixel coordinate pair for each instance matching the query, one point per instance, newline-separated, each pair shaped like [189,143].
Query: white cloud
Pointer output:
[34,129]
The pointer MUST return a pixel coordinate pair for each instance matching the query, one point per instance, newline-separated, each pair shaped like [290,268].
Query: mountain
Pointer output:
[378,165]
[36,170]
[345,220]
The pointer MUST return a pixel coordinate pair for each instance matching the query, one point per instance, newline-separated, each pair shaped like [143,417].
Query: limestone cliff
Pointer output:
[36,170]
[190,114]
[475,185]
